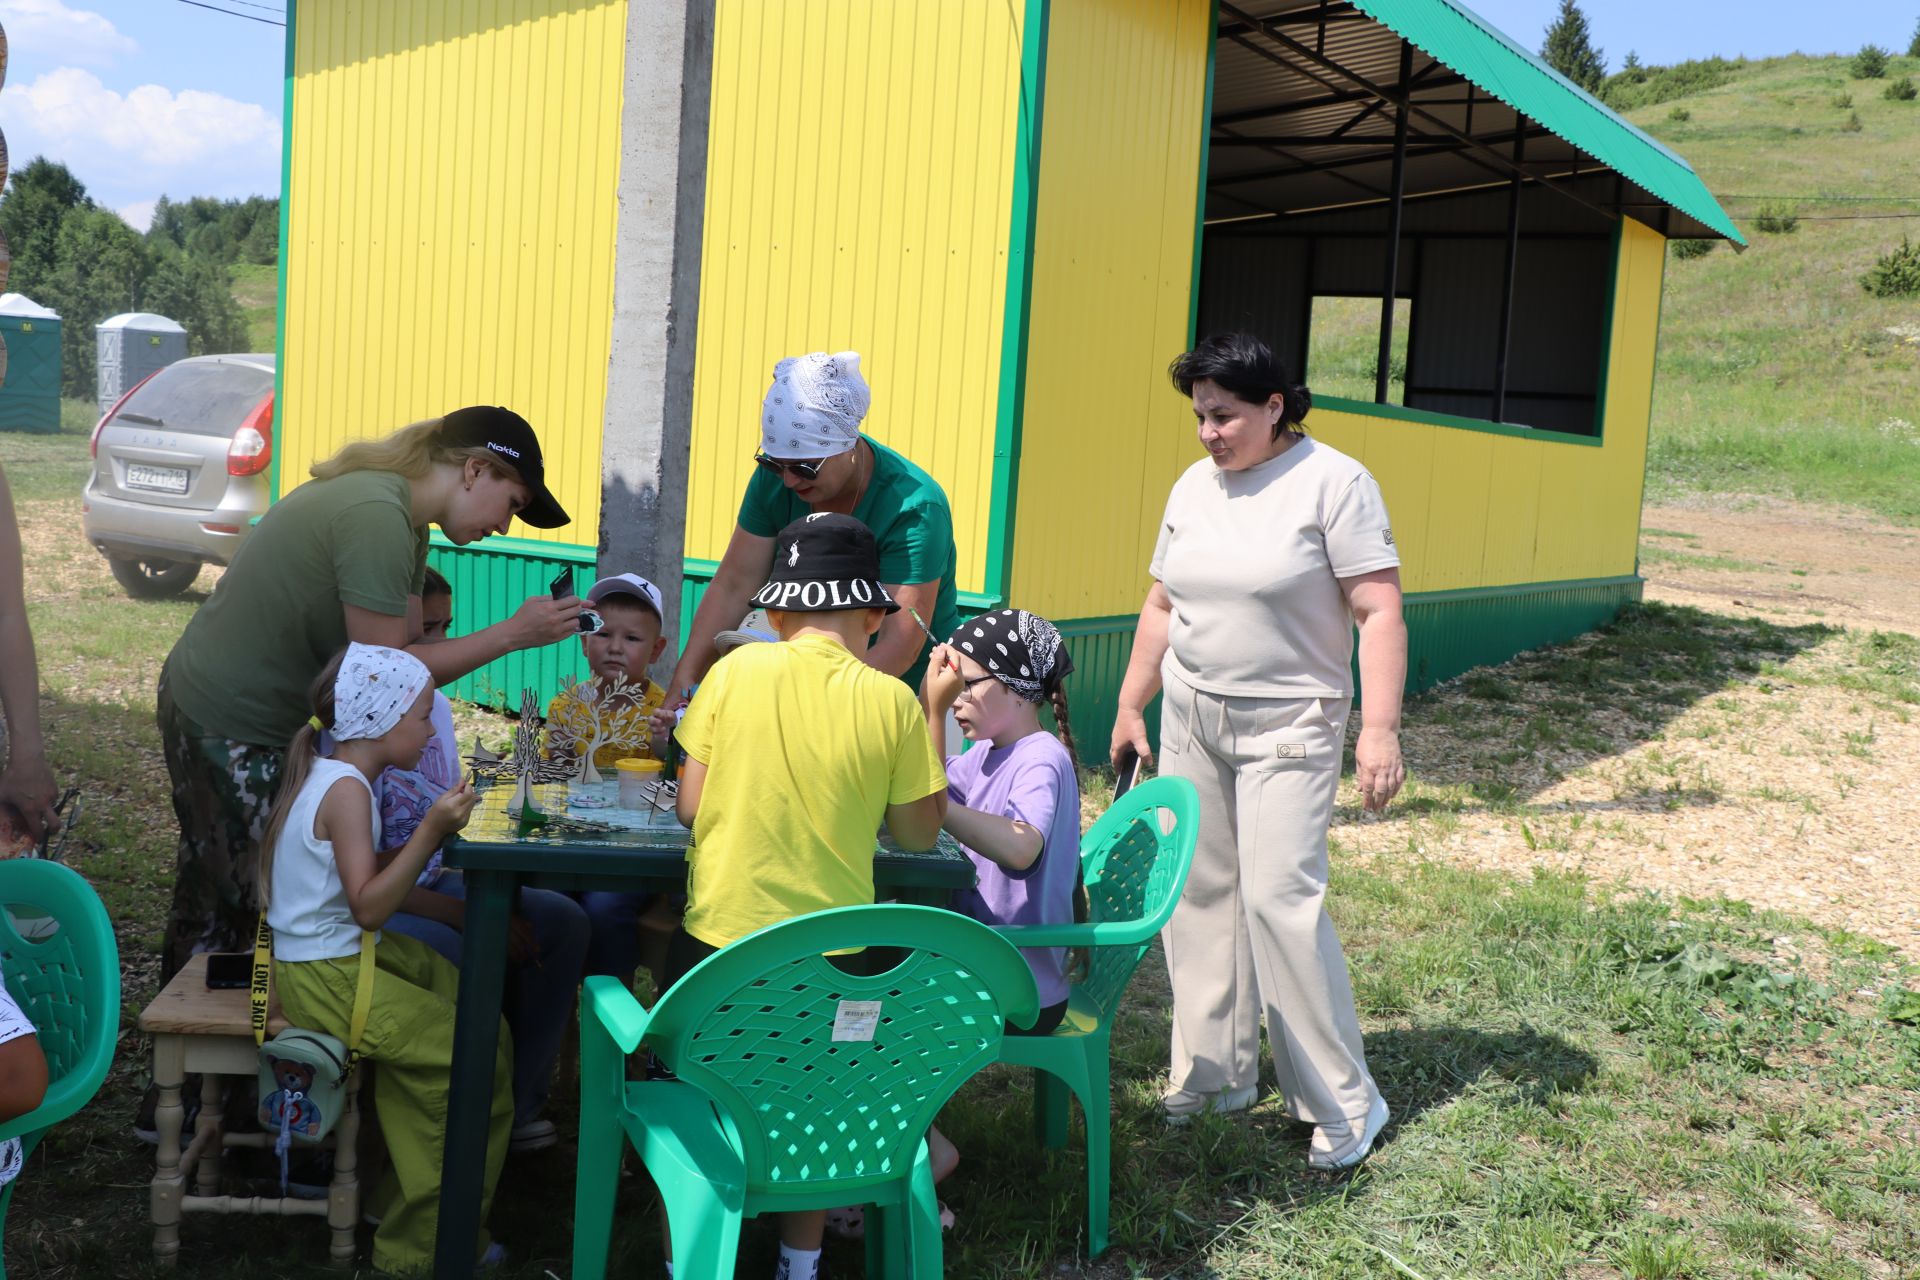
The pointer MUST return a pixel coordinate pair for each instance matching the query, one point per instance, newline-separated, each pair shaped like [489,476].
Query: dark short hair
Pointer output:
[435,584]
[1247,368]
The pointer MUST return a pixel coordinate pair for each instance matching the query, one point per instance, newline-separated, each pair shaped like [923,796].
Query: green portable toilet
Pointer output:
[30,385]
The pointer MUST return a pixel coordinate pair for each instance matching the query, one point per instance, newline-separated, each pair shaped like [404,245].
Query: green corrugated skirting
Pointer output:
[489,582]
[1448,632]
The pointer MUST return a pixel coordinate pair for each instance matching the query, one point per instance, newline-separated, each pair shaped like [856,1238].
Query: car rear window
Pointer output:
[200,399]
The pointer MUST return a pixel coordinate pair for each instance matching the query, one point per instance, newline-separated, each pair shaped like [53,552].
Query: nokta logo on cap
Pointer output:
[500,448]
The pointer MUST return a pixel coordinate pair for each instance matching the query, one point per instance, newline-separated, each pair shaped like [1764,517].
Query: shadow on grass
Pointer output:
[1503,734]
[1422,1069]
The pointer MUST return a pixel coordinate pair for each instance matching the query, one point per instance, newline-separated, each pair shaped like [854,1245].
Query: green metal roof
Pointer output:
[1449,32]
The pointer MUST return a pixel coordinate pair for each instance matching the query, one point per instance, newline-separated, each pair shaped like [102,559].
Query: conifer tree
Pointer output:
[1569,49]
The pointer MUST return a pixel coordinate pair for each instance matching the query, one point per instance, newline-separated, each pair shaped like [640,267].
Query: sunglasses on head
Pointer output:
[809,470]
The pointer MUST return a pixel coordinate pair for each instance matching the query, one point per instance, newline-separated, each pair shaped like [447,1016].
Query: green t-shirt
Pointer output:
[908,513]
[242,667]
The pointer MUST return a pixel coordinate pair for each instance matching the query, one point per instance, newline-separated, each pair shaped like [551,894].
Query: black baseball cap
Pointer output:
[506,435]
[822,563]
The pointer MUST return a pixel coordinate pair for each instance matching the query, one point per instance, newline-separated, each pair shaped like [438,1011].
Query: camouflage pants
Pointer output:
[222,792]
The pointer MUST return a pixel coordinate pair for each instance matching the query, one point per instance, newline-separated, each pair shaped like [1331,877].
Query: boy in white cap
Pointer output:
[627,643]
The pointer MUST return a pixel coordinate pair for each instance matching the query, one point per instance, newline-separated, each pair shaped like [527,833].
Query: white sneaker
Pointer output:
[1183,1105]
[1336,1146]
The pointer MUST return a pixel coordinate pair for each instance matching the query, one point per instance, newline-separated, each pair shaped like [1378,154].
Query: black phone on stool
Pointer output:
[228,970]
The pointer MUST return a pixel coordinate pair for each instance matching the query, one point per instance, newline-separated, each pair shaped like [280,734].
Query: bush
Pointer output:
[1896,274]
[1900,90]
[1844,101]
[1851,124]
[1693,248]
[1679,115]
[1648,86]
[1870,63]
[1913,47]
[1776,219]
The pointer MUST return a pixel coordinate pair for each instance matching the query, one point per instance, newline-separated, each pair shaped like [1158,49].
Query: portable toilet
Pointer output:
[130,347]
[30,377]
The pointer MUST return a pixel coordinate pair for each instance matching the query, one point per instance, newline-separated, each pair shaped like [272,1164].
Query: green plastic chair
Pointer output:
[1134,861]
[777,1107]
[67,982]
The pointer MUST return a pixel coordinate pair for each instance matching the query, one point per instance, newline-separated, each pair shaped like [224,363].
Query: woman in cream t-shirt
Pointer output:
[1271,550]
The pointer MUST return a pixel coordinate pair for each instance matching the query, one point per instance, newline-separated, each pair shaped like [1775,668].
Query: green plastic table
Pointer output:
[574,849]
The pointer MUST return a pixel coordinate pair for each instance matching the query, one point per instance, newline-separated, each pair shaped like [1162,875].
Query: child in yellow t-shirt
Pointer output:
[623,649]
[795,752]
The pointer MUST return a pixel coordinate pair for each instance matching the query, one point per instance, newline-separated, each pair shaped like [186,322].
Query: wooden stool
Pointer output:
[197,1029]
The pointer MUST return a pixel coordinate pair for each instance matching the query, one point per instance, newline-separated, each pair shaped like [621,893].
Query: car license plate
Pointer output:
[163,479]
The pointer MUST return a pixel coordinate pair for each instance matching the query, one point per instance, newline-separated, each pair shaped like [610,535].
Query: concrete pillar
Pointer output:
[656,295]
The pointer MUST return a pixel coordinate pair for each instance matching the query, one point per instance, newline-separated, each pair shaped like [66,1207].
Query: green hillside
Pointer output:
[1778,373]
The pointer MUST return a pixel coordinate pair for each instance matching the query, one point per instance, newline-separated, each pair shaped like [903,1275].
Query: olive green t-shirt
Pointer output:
[242,667]
[908,513]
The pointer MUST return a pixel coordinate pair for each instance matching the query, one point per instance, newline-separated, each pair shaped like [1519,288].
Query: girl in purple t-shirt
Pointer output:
[1014,800]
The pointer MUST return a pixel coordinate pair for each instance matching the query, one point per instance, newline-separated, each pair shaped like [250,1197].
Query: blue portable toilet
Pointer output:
[30,382]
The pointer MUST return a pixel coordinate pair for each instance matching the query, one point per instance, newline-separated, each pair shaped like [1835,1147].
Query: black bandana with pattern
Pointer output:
[1021,650]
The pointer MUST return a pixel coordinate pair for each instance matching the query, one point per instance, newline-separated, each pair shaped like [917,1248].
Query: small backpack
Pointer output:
[303,1074]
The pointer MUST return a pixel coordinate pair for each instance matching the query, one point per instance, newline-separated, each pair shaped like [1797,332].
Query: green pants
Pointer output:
[409,1038]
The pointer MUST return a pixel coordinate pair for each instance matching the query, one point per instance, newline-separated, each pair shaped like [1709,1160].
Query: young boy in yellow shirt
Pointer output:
[795,753]
[626,645]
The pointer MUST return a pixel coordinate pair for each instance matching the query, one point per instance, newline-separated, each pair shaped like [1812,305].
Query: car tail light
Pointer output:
[252,449]
[93,444]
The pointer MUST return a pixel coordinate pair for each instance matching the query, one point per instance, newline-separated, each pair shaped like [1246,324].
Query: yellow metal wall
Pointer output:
[859,184]
[1470,508]
[451,225]
[1104,434]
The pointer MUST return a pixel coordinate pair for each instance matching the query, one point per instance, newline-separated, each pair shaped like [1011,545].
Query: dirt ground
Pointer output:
[1766,557]
[1789,791]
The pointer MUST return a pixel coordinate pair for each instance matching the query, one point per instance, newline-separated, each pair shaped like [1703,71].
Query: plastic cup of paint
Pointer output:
[638,779]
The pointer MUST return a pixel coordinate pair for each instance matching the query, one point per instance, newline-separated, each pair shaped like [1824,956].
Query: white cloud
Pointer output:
[138,215]
[48,29]
[150,139]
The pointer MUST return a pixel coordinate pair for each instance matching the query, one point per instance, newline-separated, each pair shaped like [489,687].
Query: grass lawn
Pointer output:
[257,289]
[1586,1081]
[1778,373]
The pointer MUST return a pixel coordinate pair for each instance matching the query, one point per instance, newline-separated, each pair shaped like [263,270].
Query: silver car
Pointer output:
[180,471]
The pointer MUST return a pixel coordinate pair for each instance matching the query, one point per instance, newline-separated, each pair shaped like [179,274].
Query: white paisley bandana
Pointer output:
[375,688]
[1021,650]
[814,407]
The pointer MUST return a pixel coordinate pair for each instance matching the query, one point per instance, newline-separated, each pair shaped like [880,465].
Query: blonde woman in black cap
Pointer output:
[341,558]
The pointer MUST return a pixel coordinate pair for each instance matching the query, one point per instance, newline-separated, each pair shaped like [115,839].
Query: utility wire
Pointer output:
[267,7]
[235,13]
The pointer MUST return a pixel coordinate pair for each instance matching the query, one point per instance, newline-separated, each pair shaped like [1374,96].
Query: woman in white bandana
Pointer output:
[813,457]
[321,887]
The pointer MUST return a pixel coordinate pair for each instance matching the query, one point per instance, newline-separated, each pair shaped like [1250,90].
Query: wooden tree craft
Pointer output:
[595,714]
[524,763]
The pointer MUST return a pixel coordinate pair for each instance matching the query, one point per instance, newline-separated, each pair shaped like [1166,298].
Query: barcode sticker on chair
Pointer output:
[856,1019]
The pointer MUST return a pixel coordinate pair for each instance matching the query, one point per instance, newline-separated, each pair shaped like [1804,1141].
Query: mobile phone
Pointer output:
[227,971]
[1126,771]
[562,585]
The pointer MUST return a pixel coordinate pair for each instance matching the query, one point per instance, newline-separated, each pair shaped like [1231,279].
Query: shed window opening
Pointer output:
[1345,165]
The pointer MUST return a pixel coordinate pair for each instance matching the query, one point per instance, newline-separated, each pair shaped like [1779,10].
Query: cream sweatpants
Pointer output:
[1251,933]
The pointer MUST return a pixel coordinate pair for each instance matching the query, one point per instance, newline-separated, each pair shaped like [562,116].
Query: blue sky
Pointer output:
[145,97]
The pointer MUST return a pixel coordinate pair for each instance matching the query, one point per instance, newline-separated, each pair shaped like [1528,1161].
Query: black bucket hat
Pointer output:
[506,435]
[824,562]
